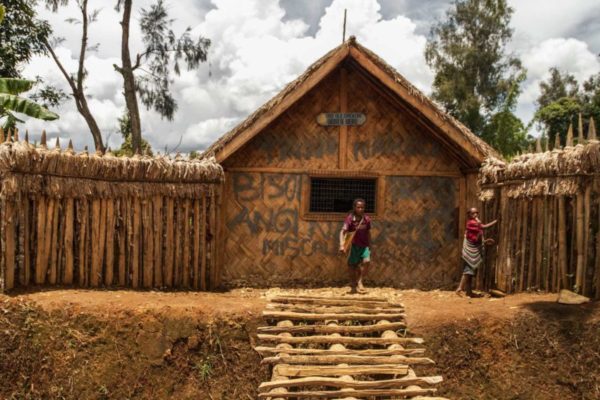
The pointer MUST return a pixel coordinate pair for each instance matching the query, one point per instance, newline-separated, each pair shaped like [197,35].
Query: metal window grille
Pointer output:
[336,195]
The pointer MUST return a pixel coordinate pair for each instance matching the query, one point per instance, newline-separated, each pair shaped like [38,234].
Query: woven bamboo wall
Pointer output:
[100,221]
[268,239]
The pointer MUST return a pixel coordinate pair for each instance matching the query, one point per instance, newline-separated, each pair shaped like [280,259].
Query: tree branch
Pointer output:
[84,39]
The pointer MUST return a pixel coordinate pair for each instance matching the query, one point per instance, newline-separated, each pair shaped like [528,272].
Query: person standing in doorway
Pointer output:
[355,238]
[473,250]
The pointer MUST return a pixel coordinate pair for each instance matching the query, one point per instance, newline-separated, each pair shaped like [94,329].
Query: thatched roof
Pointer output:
[449,127]
[25,168]
[556,172]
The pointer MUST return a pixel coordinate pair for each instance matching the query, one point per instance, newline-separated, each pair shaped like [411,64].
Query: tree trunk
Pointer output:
[126,71]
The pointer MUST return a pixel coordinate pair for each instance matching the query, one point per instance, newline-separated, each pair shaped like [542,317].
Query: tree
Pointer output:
[473,74]
[162,53]
[76,81]
[559,85]
[22,36]
[561,99]
[11,102]
[126,148]
[505,131]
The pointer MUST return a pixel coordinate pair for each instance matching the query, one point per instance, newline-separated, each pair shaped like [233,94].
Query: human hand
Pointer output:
[489,242]
[342,250]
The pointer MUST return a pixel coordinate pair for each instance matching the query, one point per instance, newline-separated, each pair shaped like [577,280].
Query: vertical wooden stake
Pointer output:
[147,243]
[123,242]
[110,243]
[196,244]
[69,225]
[24,241]
[203,243]
[538,243]
[523,244]
[9,244]
[186,268]
[54,244]
[95,240]
[40,276]
[158,241]
[135,246]
[562,245]
[579,274]
[51,205]
[82,218]
[169,245]
[587,237]
[178,243]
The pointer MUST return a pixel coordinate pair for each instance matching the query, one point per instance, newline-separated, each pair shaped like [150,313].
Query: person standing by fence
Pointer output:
[473,250]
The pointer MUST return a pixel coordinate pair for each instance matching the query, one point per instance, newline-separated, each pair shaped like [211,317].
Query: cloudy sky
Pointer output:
[260,45]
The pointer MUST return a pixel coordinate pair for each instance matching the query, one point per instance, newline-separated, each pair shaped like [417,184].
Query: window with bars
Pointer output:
[335,195]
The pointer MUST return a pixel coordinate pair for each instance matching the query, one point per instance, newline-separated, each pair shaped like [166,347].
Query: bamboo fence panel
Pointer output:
[549,228]
[99,221]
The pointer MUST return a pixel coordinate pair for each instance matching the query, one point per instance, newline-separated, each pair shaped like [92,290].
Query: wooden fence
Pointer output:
[102,221]
[548,207]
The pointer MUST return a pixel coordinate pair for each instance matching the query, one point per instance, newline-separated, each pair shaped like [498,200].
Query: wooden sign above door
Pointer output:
[341,119]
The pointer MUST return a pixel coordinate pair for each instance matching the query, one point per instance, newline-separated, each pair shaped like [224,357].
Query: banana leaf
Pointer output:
[21,105]
[15,85]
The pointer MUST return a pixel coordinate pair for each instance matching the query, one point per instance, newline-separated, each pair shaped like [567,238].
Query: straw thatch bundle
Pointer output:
[28,169]
[556,172]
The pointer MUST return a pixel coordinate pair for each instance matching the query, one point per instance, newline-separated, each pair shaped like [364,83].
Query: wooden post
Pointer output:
[597,258]
[47,240]
[169,243]
[517,259]
[219,240]
[196,244]
[95,240]
[135,245]
[523,244]
[562,245]
[186,267]
[55,243]
[68,241]
[41,228]
[579,274]
[178,243]
[123,242]
[533,237]
[110,243]
[538,243]
[587,236]
[147,244]
[9,244]
[25,240]
[158,241]
[203,243]
[82,219]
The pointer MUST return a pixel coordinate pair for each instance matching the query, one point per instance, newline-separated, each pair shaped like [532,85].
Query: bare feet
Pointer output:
[353,290]
[361,288]
[459,292]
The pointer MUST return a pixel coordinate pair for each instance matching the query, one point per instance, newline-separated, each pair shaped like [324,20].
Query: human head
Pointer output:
[358,206]
[473,213]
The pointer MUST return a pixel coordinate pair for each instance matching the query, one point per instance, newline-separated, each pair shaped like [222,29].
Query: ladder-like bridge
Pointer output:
[348,347]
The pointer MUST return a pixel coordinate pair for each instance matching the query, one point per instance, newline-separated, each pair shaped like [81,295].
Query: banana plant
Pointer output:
[11,102]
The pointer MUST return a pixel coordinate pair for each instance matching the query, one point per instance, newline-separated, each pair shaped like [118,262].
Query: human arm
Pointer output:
[342,235]
[485,226]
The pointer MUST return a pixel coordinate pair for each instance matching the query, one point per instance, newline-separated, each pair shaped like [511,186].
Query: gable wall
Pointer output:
[268,239]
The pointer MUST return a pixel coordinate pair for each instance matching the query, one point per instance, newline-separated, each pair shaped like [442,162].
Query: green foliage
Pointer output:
[11,102]
[562,99]
[194,154]
[126,148]
[21,36]
[504,131]
[473,75]
[163,51]
[2,12]
[557,116]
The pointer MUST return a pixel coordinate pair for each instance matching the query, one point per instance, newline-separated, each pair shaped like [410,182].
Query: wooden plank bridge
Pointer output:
[347,347]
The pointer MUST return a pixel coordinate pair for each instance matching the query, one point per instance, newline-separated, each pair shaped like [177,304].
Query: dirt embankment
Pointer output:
[150,345]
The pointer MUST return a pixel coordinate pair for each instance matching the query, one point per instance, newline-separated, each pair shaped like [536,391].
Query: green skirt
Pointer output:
[358,255]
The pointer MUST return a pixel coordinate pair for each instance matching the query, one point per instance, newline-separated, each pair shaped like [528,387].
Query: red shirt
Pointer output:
[474,231]
[361,237]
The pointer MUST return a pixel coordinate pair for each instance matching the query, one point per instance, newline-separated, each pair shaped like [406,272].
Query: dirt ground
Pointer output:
[94,344]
